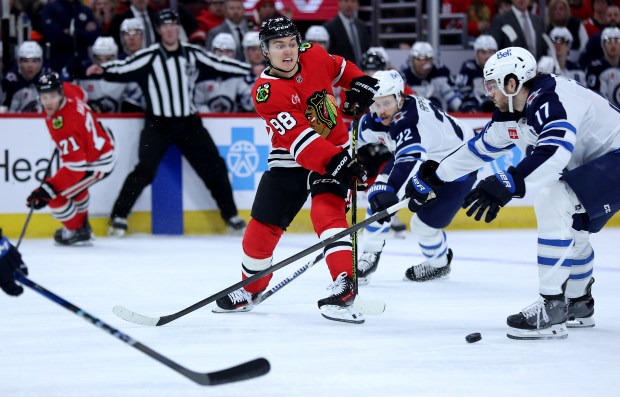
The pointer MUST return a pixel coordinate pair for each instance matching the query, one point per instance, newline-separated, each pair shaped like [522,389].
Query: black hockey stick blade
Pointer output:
[137,318]
[248,370]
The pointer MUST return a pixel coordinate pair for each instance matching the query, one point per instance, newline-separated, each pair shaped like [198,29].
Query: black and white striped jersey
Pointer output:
[168,79]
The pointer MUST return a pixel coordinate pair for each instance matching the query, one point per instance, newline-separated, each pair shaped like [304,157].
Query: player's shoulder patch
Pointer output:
[263,92]
[58,122]
[305,46]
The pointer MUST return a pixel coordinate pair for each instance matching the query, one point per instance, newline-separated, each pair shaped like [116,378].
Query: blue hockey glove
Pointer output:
[493,192]
[41,196]
[361,94]
[10,260]
[420,189]
[380,197]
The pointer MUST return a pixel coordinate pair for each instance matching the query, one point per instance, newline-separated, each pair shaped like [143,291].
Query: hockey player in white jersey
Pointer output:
[415,130]
[570,137]
[562,40]
[603,75]
[19,83]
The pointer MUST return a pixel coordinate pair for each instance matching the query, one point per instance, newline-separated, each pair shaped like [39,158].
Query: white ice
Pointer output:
[416,348]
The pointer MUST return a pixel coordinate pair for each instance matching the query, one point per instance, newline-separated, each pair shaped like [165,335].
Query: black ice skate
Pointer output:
[339,305]
[237,301]
[82,236]
[544,319]
[236,225]
[367,265]
[118,227]
[426,272]
[581,310]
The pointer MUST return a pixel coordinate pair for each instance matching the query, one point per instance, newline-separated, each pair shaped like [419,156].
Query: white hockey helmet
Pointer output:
[390,83]
[223,41]
[250,39]
[561,33]
[485,42]
[317,33]
[515,61]
[422,49]
[105,46]
[610,34]
[131,24]
[30,49]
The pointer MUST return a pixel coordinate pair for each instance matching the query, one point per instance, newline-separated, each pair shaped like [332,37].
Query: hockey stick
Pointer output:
[137,318]
[47,171]
[248,370]
[354,134]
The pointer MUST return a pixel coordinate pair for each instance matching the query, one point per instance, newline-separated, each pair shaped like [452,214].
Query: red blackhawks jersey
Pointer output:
[301,112]
[83,144]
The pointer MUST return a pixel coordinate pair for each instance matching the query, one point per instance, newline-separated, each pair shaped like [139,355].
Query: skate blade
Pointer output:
[238,310]
[117,233]
[440,278]
[87,243]
[557,331]
[586,322]
[347,314]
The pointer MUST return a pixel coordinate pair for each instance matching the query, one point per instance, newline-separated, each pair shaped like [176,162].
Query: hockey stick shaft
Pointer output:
[248,370]
[287,280]
[356,121]
[133,317]
[47,171]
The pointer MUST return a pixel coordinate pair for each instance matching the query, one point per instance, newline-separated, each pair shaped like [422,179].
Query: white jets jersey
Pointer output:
[563,126]
[107,97]
[420,131]
[224,95]
[25,100]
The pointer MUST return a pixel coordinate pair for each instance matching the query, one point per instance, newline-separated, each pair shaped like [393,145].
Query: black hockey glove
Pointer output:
[360,96]
[346,170]
[493,192]
[381,196]
[420,188]
[10,260]
[41,196]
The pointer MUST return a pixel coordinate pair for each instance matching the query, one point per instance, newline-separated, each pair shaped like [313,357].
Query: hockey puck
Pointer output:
[473,338]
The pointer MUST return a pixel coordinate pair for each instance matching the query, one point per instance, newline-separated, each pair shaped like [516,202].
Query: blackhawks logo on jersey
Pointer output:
[262,93]
[58,122]
[305,46]
[322,112]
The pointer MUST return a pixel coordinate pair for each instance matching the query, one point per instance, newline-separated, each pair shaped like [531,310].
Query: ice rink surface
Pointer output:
[416,348]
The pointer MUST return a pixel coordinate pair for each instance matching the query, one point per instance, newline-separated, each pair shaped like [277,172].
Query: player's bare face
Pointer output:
[254,55]
[29,67]
[133,41]
[483,56]
[612,48]
[422,66]
[500,100]
[51,102]
[224,53]
[385,107]
[284,56]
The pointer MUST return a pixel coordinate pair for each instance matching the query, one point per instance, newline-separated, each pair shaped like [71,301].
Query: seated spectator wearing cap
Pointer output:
[104,11]
[558,14]
[603,75]
[470,81]
[594,49]
[19,83]
[104,96]
[562,39]
[317,34]
[132,37]
[253,55]
[218,94]
[429,80]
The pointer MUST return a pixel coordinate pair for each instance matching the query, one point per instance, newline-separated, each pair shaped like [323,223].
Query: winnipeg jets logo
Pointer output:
[532,96]
[398,117]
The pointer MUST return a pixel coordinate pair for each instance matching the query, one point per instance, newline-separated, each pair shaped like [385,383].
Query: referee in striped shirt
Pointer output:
[167,73]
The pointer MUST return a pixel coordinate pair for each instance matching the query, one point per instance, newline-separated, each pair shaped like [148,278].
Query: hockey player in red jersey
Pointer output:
[87,153]
[309,154]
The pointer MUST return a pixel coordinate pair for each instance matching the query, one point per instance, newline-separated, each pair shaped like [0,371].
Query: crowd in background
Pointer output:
[579,39]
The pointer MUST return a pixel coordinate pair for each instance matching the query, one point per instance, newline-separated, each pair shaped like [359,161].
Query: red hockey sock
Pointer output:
[76,221]
[259,242]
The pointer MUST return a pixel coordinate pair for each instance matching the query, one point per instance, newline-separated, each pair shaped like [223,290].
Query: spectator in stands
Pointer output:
[253,55]
[104,10]
[317,34]
[594,48]
[137,9]
[104,96]
[519,28]
[347,25]
[603,75]
[223,94]
[598,20]
[470,81]
[212,16]
[235,23]
[19,84]
[262,10]
[479,13]
[562,38]
[501,6]
[132,32]
[581,9]
[189,30]
[558,14]
[429,80]
[70,28]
